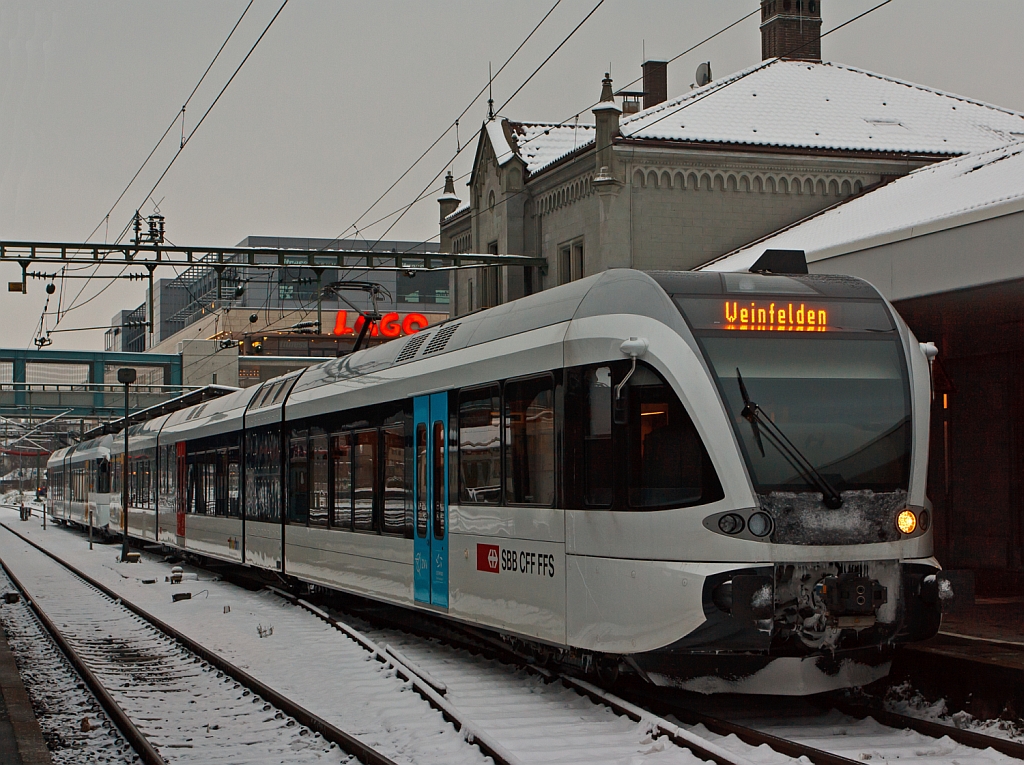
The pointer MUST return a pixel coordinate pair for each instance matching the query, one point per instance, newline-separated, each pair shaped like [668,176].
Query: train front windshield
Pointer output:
[830,375]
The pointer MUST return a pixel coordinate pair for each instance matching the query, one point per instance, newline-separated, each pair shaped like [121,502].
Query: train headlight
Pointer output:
[906,521]
[760,524]
[731,523]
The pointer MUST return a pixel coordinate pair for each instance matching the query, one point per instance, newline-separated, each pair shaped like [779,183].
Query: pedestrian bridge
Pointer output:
[83,384]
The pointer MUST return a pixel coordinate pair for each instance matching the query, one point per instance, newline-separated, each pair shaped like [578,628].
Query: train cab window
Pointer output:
[597,438]
[421,480]
[341,464]
[439,482]
[364,479]
[668,464]
[234,483]
[394,478]
[480,446]
[530,441]
[298,479]
[319,489]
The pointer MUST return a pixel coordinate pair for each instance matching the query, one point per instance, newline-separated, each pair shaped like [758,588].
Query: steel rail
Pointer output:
[471,639]
[744,733]
[332,733]
[930,728]
[138,741]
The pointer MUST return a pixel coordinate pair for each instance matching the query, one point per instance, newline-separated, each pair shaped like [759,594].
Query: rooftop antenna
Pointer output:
[490,94]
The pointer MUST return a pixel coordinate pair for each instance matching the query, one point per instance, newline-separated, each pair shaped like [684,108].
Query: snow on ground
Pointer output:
[74,726]
[303,657]
[190,712]
[869,741]
[905,700]
[537,721]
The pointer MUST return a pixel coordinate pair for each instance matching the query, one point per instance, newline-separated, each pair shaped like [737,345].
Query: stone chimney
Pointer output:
[791,29]
[448,201]
[606,115]
[655,83]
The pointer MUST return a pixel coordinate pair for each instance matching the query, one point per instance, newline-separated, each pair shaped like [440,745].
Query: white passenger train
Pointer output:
[78,484]
[715,481]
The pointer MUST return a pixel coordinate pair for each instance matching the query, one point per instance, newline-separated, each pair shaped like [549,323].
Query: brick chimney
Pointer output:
[448,201]
[655,83]
[791,29]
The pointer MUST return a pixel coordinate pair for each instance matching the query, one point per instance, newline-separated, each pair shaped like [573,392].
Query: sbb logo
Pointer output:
[487,558]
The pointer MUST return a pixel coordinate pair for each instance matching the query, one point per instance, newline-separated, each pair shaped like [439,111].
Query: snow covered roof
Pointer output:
[502,148]
[462,208]
[543,143]
[945,195]
[796,104]
[827,106]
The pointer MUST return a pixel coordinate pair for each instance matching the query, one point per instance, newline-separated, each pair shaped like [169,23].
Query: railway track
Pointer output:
[475,681]
[174,701]
[839,737]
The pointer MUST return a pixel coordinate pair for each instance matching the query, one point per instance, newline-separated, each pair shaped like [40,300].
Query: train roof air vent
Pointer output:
[440,340]
[412,346]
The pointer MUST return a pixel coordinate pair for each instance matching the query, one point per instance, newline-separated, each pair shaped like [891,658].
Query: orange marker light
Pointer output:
[906,522]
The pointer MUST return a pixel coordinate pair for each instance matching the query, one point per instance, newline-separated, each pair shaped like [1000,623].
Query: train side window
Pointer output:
[221,457]
[364,479]
[209,482]
[421,480]
[263,476]
[599,478]
[104,477]
[530,441]
[341,463]
[480,446]
[319,489]
[234,484]
[394,479]
[439,482]
[668,464]
[298,479]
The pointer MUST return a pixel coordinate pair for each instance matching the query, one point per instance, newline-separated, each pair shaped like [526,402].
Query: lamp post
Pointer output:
[125,376]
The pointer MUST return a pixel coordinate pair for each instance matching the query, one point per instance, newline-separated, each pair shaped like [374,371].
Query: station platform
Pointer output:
[976,662]
[21,739]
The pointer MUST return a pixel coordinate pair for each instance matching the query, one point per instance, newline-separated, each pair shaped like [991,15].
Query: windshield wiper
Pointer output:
[755,415]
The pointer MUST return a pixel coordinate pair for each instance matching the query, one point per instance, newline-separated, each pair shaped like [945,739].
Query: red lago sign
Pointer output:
[390,324]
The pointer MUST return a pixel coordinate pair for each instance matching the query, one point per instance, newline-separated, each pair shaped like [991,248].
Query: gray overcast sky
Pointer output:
[340,97]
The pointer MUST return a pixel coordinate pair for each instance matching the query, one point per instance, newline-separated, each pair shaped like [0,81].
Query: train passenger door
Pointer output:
[430,499]
[182,471]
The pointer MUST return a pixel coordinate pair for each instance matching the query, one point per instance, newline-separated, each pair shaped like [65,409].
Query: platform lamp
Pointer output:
[125,376]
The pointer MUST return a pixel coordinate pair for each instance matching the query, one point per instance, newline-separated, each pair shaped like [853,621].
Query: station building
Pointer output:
[916,190]
[686,179]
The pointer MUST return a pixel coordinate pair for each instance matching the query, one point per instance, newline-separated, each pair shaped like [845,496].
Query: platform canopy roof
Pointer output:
[948,194]
[791,104]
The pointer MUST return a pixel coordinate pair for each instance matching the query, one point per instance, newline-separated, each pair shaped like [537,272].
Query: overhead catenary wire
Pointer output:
[465,146]
[185,140]
[354,225]
[508,100]
[668,112]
